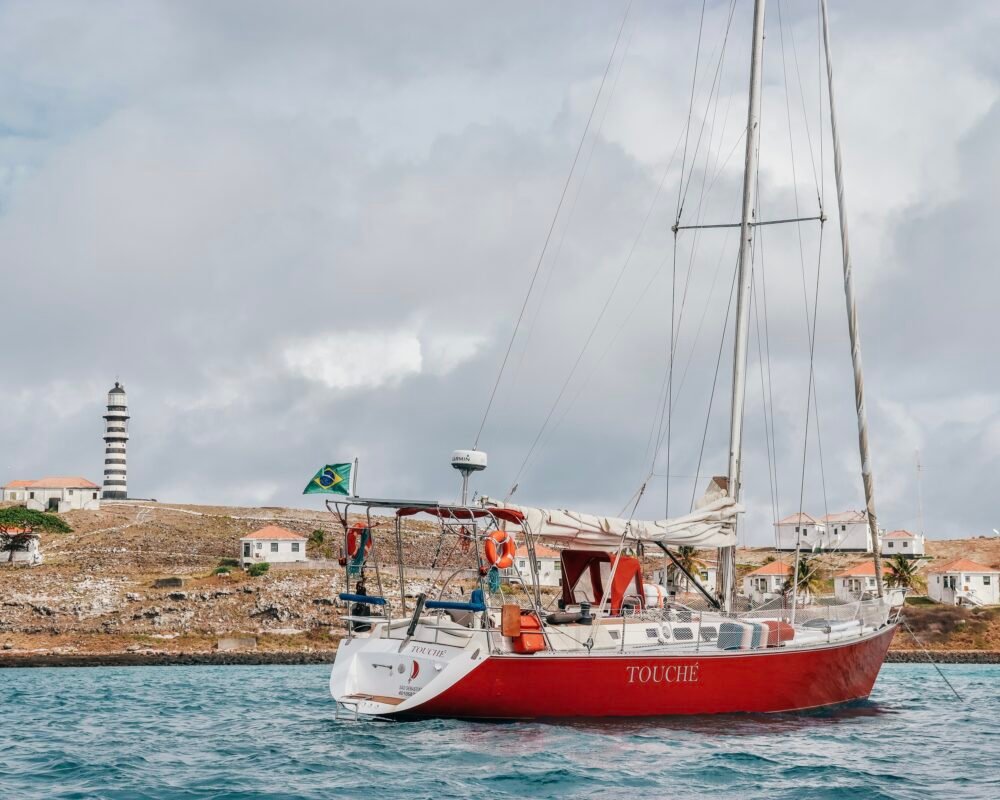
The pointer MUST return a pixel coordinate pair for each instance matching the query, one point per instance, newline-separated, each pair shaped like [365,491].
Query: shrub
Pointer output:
[256,570]
[316,537]
[221,571]
[228,562]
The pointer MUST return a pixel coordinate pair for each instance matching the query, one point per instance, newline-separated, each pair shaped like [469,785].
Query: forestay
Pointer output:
[713,524]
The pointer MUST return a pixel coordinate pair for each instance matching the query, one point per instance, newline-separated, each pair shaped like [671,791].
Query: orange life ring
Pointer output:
[500,549]
[354,534]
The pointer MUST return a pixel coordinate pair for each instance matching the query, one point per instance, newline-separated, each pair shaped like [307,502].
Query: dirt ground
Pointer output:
[96,590]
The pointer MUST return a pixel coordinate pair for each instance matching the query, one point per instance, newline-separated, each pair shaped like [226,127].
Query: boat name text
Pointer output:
[672,673]
[428,651]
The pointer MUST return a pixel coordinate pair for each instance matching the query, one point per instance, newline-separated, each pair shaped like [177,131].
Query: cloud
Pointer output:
[304,236]
[353,360]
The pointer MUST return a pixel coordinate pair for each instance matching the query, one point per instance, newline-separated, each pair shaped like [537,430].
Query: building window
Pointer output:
[890,545]
[260,545]
[31,495]
[71,492]
[796,528]
[295,547]
[95,495]
[274,547]
[520,563]
[986,580]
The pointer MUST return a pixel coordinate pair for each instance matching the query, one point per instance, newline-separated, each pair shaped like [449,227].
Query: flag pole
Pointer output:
[354,479]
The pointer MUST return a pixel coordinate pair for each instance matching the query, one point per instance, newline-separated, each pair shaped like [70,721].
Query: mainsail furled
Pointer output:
[713,524]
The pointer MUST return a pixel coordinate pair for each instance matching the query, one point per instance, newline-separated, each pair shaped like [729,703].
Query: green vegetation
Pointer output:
[228,562]
[808,579]
[903,573]
[688,558]
[256,570]
[221,571]
[919,600]
[316,537]
[18,524]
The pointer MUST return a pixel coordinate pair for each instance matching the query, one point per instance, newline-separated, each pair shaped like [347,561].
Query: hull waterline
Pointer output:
[792,679]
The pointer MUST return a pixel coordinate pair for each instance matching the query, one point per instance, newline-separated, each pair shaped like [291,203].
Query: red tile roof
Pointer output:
[865,568]
[961,565]
[899,535]
[846,516]
[774,568]
[541,551]
[273,532]
[809,519]
[54,482]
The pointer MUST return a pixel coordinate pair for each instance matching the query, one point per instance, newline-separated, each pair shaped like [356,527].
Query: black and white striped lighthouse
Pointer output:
[115,441]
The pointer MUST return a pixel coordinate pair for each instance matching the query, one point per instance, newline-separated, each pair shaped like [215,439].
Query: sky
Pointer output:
[302,233]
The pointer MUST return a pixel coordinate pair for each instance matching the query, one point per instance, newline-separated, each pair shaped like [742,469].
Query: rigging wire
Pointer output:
[576,199]
[810,324]
[686,184]
[555,216]
[600,316]
[694,80]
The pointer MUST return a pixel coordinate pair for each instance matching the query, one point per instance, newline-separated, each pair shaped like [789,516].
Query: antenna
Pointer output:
[467,462]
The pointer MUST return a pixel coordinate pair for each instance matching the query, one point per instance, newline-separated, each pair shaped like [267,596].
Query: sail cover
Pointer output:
[712,524]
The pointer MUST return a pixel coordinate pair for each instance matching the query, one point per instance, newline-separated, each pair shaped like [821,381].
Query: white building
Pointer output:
[902,543]
[678,583]
[57,494]
[115,443]
[856,581]
[32,554]
[964,582]
[274,545]
[767,582]
[549,566]
[847,531]
[803,528]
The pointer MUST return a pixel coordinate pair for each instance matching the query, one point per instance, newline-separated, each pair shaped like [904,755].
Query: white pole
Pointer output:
[852,317]
[727,555]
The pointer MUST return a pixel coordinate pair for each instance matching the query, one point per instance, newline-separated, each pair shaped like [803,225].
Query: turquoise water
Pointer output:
[256,732]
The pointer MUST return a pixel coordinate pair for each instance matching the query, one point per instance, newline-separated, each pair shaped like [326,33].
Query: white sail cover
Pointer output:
[712,524]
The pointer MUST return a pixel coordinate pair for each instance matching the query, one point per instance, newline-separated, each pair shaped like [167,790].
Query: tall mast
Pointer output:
[727,555]
[852,317]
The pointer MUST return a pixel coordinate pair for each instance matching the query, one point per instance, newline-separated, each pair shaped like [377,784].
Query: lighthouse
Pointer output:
[115,441]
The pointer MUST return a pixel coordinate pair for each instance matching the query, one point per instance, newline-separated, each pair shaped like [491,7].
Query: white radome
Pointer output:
[468,460]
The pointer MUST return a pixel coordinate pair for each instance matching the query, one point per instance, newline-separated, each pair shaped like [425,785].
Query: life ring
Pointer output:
[500,549]
[354,534]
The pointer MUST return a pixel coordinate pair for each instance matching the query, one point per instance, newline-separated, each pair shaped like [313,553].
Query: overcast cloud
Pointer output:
[301,233]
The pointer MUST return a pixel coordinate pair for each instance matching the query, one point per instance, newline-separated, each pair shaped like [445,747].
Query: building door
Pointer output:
[53,504]
[246,549]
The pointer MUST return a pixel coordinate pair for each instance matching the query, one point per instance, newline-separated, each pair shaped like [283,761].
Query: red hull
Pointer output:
[525,687]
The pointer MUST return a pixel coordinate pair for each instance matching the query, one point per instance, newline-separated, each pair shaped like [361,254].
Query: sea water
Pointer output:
[269,732]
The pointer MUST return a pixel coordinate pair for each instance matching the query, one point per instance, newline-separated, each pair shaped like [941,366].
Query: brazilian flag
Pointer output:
[332,479]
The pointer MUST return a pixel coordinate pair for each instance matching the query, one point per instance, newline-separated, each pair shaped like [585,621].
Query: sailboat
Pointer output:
[614,647]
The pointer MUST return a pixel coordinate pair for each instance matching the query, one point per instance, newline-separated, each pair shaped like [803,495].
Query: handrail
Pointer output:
[367,599]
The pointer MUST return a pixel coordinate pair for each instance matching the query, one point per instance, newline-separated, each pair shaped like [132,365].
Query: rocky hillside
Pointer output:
[102,587]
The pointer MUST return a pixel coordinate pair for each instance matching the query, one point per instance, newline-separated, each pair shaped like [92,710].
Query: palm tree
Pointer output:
[903,573]
[809,582]
[688,558]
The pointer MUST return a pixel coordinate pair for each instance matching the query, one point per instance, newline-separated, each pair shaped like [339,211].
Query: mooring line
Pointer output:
[930,660]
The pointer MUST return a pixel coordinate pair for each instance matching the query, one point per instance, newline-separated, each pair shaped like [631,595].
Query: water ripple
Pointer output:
[242,733]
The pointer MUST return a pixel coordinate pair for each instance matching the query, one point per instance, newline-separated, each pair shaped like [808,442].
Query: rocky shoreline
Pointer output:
[161,659]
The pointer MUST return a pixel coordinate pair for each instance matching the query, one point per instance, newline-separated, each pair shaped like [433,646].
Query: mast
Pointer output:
[852,317]
[727,555]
